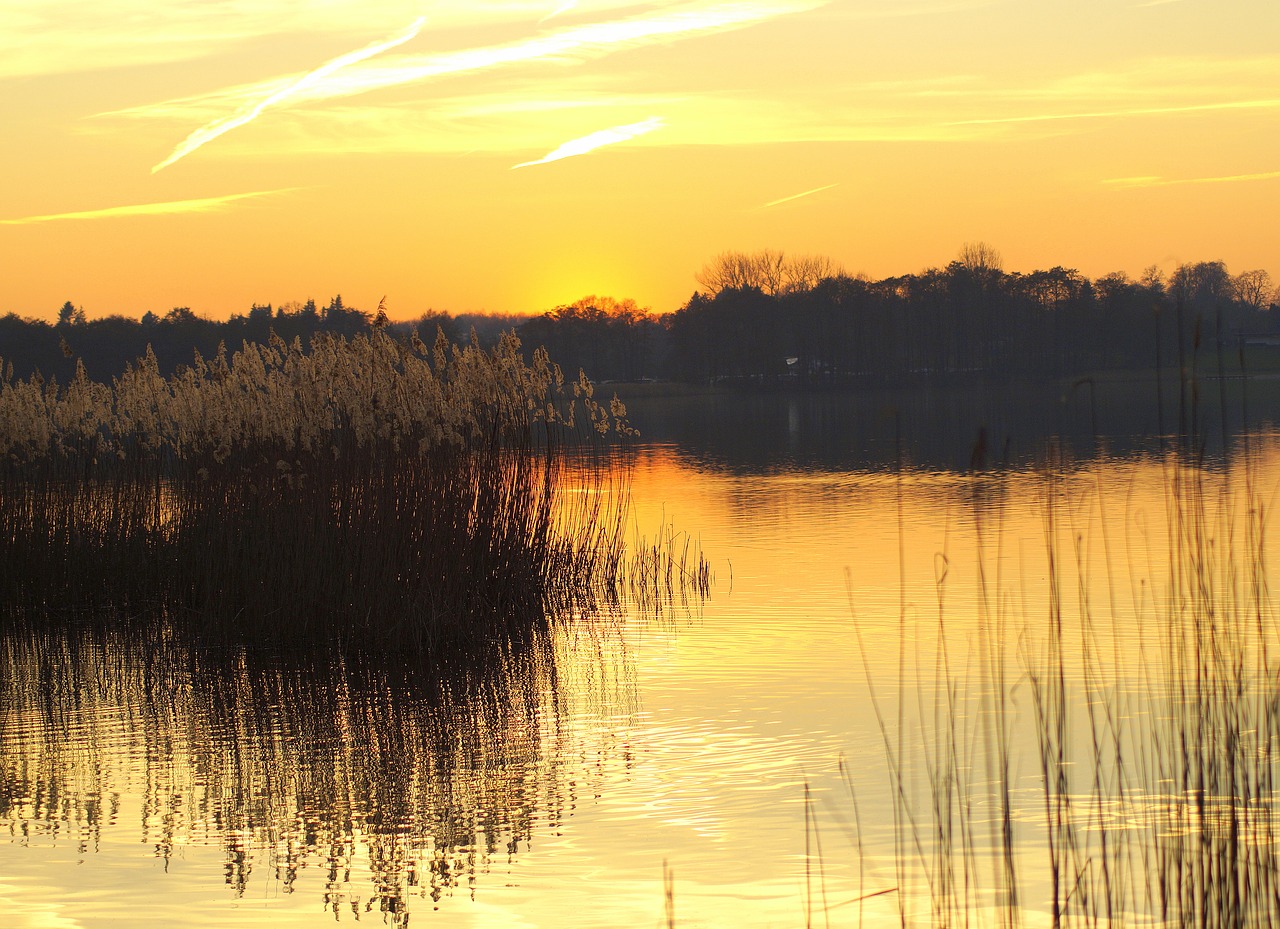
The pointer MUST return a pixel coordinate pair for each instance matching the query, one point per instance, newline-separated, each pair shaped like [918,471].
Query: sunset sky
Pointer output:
[507,156]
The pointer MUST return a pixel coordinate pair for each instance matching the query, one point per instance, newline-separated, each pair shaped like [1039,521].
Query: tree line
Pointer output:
[769,319]
[108,345]
[766,318]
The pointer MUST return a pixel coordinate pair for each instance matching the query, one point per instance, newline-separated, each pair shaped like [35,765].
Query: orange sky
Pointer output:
[509,156]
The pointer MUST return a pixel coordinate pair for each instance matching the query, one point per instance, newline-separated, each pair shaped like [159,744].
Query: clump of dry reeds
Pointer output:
[364,490]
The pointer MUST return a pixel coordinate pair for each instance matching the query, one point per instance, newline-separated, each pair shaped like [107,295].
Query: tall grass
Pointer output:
[362,490]
[1097,760]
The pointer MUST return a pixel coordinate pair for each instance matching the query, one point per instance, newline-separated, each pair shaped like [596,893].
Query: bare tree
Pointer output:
[805,272]
[1253,288]
[730,271]
[769,270]
[980,258]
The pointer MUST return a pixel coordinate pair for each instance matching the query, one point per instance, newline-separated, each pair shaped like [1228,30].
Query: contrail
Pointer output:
[595,140]
[816,190]
[1156,181]
[1266,104]
[210,131]
[202,205]
[562,8]
[576,42]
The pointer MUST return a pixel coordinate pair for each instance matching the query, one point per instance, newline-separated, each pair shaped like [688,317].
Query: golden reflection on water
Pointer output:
[149,778]
[955,582]
[374,785]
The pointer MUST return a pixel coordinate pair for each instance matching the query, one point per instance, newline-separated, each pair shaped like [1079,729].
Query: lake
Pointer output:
[896,594]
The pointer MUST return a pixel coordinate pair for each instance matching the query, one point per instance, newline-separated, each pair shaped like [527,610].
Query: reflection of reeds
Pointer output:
[669,572]
[1148,773]
[363,490]
[351,779]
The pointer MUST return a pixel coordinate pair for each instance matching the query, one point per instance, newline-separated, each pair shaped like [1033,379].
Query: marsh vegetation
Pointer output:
[353,490]
[1102,750]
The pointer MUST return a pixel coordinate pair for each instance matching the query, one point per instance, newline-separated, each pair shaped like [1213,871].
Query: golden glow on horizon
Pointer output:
[1108,137]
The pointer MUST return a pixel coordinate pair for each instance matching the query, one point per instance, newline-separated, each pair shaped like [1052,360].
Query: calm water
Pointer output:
[142,783]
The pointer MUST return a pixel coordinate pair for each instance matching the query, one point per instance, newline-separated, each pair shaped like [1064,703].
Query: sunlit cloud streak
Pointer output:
[573,43]
[560,10]
[595,140]
[899,9]
[807,193]
[1127,183]
[210,131]
[42,37]
[202,205]
[1266,104]
[569,44]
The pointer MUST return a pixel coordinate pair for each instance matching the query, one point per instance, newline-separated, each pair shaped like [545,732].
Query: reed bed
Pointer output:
[366,490]
[1097,760]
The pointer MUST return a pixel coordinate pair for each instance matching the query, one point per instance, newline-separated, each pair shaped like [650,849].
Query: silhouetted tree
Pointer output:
[1253,288]
[71,315]
[768,271]
[343,319]
[609,339]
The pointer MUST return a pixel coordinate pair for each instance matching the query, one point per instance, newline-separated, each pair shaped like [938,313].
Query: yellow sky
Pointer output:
[216,154]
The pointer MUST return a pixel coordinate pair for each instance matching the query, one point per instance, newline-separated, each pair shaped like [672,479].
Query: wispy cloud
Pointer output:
[575,43]
[902,9]
[40,37]
[560,10]
[1265,104]
[595,140]
[806,193]
[495,100]
[516,114]
[1128,183]
[210,131]
[202,205]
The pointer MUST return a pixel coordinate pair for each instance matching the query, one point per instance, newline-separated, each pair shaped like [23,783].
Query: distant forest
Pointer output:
[766,319]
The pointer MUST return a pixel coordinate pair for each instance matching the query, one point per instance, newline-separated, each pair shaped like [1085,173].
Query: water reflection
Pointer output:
[564,775]
[373,783]
[931,430]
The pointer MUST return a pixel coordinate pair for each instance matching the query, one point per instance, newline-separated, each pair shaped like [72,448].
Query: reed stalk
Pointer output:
[1153,798]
